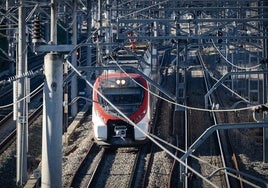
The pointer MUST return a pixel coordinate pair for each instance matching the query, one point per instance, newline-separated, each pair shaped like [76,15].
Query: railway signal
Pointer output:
[220,34]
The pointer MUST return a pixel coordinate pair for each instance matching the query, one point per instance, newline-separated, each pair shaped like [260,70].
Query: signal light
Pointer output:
[220,34]
[78,54]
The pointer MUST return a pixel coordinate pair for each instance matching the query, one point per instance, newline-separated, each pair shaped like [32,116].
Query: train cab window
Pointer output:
[127,100]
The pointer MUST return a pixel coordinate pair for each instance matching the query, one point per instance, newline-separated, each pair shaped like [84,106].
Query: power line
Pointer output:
[133,124]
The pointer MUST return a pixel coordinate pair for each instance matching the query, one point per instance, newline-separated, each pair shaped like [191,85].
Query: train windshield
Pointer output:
[126,99]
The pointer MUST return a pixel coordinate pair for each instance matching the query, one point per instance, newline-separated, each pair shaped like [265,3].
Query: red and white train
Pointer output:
[128,92]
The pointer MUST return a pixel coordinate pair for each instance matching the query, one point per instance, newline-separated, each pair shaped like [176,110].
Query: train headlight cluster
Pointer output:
[121,82]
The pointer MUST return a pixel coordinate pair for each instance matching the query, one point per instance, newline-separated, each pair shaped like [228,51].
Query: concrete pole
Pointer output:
[21,118]
[52,112]
[53,22]
[52,121]
[74,60]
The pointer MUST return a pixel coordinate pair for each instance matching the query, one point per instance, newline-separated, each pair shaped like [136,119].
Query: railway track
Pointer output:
[8,126]
[103,167]
[87,168]
[158,161]
[174,171]
[11,136]
[7,135]
[198,122]
[131,167]
[216,152]
[6,91]
[228,155]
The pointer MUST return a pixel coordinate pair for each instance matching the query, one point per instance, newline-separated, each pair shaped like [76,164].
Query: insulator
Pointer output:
[36,31]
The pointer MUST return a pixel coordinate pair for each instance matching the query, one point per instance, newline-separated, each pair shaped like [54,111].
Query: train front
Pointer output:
[125,93]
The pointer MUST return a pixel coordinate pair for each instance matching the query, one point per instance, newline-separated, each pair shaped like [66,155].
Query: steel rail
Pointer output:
[12,135]
[78,174]
[215,120]
[98,164]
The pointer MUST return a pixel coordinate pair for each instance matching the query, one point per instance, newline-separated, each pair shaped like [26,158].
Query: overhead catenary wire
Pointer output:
[228,173]
[152,138]
[86,42]
[227,170]
[229,62]
[135,12]
[133,124]
[28,74]
[34,91]
[184,106]
[217,80]
[213,166]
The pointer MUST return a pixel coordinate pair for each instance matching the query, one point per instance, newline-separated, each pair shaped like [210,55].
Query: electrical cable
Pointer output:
[133,124]
[34,91]
[235,171]
[217,80]
[184,106]
[172,102]
[88,83]
[234,174]
[245,181]
[233,65]
[28,74]
[135,12]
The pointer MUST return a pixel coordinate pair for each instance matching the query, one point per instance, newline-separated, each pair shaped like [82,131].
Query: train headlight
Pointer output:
[123,82]
[120,82]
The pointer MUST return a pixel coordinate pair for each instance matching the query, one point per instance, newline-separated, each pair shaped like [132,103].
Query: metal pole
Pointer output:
[65,103]
[74,60]
[21,119]
[99,17]
[27,101]
[99,27]
[154,47]
[89,52]
[108,27]
[265,83]
[52,122]
[10,39]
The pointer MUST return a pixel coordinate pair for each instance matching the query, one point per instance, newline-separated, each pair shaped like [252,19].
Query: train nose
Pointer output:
[120,131]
